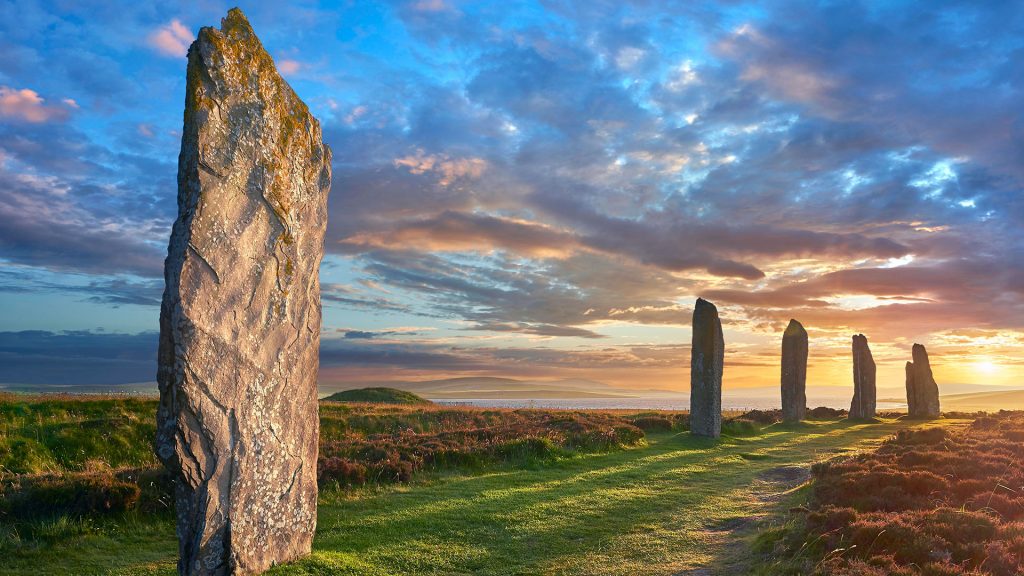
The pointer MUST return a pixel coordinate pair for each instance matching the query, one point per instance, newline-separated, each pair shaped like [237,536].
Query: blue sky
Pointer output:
[542,189]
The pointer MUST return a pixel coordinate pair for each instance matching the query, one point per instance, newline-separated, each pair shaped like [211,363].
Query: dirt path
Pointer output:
[767,489]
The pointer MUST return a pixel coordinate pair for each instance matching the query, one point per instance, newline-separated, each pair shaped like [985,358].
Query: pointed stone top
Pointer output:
[920,354]
[795,328]
[705,311]
[702,303]
[229,67]
[236,24]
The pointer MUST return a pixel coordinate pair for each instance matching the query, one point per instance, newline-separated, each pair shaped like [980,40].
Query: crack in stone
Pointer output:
[202,258]
[208,168]
[291,484]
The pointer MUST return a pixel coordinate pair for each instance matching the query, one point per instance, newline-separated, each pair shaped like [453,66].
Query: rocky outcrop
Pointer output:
[922,391]
[794,372]
[863,405]
[707,356]
[240,320]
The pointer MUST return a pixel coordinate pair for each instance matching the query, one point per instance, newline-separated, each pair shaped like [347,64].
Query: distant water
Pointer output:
[673,402]
[640,403]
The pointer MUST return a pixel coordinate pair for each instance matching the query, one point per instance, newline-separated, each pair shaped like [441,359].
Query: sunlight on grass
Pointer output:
[649,509]
[657,508]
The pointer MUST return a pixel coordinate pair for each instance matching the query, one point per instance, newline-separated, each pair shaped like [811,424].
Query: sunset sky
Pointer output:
[542,190]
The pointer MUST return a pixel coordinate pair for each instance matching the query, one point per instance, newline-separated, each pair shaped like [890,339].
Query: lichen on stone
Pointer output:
[240,319]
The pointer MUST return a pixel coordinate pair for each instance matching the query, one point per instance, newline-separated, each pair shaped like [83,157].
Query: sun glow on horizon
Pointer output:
[986,366]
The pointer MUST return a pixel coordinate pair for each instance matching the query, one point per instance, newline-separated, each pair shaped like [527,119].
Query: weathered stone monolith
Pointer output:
[240,321]
[794,372]
[707,356]
[863,405]
[911,391]
[922,391]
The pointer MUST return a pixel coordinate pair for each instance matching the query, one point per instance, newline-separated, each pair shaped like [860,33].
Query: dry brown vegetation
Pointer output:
[93,456]
[364,443]
[934,501]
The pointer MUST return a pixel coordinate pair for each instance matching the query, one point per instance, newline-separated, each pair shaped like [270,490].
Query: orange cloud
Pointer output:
[460,232]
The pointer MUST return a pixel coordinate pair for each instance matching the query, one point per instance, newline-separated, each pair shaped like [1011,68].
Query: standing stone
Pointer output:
[794,372]
[912,408]
[707,356]
[922,391]
[237,421]
[863,405]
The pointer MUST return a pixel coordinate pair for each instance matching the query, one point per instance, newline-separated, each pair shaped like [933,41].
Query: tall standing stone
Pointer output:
[237,421]
[922,391]
[912,409]
[794,372]
[863,405]
[707,357]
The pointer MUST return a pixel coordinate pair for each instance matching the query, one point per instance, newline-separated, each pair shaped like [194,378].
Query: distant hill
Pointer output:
[988,401]
[511,388]
[377,395]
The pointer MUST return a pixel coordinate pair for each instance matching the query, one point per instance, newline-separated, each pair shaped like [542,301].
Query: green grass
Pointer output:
[377,395]
[54,434]
[659,508]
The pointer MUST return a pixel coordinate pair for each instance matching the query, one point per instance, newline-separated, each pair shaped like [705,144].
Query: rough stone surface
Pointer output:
[707,356]
[911,391]
[240,321]
[863,405]
[922,391]
[794,372]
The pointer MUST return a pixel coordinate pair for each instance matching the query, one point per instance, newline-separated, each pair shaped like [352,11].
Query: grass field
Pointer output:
[668,505]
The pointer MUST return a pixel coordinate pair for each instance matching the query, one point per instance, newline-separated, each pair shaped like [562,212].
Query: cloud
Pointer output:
[349,297]
[447,169]
[379,334]
[453,231]
[537,329]
[77,357]
[114,292]
[340,353]
[896,69]
[902,301]
[49,226]
[27,106]
[792,79]
[289,67]
[551,173]
[171,39]
[432,6]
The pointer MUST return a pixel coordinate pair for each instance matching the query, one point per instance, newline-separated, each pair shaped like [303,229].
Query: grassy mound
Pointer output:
[378,396]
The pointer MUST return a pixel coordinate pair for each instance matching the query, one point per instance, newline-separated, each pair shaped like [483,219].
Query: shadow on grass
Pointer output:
[584,510]
[646,509]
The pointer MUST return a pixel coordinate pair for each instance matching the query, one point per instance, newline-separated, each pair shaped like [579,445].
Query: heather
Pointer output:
[90,458]
[932,501]
[425,489]
[390,446]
